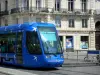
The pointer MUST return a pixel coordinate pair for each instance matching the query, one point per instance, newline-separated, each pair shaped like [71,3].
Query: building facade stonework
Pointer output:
[77,21]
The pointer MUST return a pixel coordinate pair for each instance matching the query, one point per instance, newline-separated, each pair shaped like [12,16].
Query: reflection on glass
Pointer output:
[32,42]
[50,40]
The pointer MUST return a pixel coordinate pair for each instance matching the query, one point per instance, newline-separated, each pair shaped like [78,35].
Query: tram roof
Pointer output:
[24,26]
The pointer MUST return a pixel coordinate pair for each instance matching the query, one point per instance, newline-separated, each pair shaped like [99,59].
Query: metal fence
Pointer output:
[84,55]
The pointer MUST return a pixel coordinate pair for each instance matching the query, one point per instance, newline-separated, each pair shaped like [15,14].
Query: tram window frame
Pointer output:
[12,36]
[3,44]
[19,41]
[33,47]
[5,37]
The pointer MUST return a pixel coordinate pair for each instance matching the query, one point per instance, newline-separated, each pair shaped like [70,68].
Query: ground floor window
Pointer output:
[61,40]
[69,42]
[84,42]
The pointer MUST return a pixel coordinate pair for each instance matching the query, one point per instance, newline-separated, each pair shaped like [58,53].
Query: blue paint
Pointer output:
[32,60]
[93,52]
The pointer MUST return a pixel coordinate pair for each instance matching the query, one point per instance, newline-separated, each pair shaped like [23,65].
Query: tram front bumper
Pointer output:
[54,63]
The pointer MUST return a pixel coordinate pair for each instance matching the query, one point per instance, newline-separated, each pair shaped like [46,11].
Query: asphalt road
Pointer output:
[84,70]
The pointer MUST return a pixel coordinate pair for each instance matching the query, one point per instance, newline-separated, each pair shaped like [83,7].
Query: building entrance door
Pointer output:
[97,35]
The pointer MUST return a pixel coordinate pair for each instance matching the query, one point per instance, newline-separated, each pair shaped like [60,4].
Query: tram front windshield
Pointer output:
[50,40]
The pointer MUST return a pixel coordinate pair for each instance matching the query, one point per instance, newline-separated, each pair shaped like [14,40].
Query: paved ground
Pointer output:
[72,62]
[84,70]
[70,67]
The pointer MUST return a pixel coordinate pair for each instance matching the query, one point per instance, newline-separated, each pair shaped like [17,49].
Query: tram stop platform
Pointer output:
[77,63]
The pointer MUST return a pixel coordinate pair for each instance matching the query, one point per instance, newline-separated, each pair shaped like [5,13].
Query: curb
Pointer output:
[80,64]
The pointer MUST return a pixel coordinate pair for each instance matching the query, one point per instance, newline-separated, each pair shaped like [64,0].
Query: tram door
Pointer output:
[19,57]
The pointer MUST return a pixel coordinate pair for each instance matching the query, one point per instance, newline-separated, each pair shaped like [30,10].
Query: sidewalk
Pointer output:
[75,62]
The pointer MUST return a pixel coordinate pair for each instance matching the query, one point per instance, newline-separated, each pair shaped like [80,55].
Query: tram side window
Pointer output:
[7,43]
[3,43]
[3,46]
[19,42]
[32,42]
[11,43]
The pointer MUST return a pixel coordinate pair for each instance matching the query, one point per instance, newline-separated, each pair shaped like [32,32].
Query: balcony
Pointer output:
[80,12]
[42,10]
[2,13]
[97,12]
[29,10]
[15,10]
[67,12]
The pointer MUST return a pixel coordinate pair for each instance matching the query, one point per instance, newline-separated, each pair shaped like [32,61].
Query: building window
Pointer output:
[58,21]
[57,5]
[0,21]
[31,2]
[26,4]
[71,23]
[38,19]
[69,43]
[17,3]
[17,21]
[70,5]
[61,40]
[0,7]
[84,23]
[25,19]
[38,4]
[6,5]
[84,5]
[84,42]
[6,22]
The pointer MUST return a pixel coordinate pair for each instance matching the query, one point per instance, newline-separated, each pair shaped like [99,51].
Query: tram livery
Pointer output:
[31,45]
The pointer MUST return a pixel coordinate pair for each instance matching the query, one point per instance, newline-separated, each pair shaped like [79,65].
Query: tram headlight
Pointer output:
[48,56]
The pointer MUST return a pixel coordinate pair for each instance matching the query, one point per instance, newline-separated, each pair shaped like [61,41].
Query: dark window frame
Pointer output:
[38,19]
[38,4]
[58,21]
[6,5]
[57,5]
[9,48]
[19,42]
[0,7]
[33,47]
[84,23]
[6,22]
[70,5]
[71,23]
[84,42]
[84,5]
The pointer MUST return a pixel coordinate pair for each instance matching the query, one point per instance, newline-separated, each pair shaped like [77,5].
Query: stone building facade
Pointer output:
[77,21]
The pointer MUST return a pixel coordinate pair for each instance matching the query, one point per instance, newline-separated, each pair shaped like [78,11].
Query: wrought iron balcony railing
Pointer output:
[74,12]
[15,10]
[2,13]
[50,10]
[28,9]
[97,12]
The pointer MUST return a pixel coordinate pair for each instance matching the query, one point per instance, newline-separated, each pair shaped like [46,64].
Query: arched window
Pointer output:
[97,26]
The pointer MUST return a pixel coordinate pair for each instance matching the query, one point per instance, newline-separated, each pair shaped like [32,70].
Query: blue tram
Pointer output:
[30,45]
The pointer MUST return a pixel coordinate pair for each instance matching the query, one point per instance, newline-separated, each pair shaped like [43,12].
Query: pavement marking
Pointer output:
[14,71]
